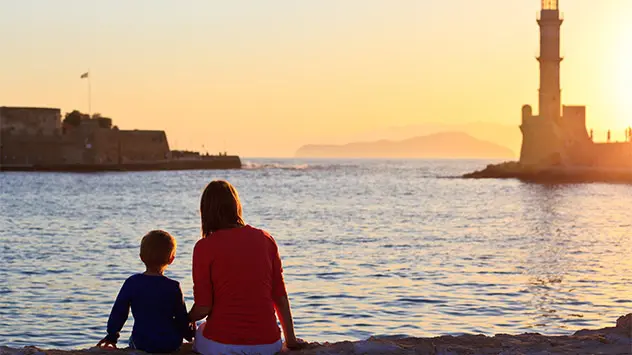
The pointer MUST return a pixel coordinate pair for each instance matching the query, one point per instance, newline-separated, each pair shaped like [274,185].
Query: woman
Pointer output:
[237,282]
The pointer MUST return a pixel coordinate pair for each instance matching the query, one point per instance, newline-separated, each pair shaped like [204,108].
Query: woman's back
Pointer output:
[239,271]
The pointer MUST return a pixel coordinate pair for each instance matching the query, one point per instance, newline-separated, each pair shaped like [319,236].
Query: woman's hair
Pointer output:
[220,207]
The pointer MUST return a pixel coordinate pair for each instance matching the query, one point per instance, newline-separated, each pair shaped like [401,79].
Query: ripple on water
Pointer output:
[369,248]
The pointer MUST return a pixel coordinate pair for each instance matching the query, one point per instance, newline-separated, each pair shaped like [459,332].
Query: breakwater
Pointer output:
[552,174]
[208,163]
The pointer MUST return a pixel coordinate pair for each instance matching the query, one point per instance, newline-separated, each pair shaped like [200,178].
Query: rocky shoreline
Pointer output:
[611,340]
[554,174]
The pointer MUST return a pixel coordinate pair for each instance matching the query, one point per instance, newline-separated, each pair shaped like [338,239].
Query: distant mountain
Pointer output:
[505,135]
[438,145]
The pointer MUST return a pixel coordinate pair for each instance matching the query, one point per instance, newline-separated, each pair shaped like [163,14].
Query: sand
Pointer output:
[612,340]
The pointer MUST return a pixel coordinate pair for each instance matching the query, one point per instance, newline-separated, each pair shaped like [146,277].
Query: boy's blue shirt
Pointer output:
[160,314]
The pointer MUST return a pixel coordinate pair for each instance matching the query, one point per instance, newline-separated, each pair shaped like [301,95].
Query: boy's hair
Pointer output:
[157,248]
[220,207]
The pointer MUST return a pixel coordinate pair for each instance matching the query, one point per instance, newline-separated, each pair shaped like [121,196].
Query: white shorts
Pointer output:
[208,347]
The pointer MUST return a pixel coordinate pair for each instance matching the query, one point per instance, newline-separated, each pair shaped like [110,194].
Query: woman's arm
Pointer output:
[282,306]
[282,302]
[198,312]
[202,283]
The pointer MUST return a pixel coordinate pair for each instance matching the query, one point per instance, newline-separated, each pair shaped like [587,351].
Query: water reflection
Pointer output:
[555,261]
[369,248]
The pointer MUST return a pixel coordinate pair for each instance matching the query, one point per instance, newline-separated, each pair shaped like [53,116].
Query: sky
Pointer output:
[262,78]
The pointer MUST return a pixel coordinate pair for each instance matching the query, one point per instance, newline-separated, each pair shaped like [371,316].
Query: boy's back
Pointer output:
[160,316]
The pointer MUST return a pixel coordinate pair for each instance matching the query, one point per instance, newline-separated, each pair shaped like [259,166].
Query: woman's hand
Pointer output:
[106,344]
[296,344]
[198,312]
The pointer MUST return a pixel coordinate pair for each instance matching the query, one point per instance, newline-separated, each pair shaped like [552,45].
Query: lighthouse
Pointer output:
[550,23]
[557,130]
[556,137]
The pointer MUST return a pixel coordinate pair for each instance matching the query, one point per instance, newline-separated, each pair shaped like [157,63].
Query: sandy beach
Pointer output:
[610,340]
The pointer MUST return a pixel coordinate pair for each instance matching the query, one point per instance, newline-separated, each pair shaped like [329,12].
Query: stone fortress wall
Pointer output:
[30,120]
[612,155]
[31,136]
[144,146]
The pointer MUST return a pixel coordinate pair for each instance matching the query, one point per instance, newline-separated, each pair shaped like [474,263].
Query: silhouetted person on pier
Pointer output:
[608,136]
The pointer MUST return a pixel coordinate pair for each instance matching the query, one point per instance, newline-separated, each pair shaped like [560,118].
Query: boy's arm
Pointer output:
[182,318]
[119,313]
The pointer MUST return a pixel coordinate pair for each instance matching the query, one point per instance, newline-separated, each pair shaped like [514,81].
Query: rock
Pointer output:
[624,323]
[612,340]
[552,174]
[27,350]
[372,347]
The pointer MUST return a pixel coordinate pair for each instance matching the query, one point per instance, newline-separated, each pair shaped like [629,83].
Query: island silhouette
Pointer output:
[456,145]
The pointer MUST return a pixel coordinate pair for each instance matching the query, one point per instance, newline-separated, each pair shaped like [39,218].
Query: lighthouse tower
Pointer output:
[544,136]
[550,23]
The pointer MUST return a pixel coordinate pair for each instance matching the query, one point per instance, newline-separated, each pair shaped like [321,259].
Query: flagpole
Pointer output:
[89,94]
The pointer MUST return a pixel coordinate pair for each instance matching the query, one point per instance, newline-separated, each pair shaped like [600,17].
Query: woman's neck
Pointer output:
[228,227]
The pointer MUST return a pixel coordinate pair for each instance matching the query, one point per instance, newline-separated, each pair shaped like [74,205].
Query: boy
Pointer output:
[160,315]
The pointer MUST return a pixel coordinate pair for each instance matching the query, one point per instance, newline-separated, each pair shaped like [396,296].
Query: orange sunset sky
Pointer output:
[262,78]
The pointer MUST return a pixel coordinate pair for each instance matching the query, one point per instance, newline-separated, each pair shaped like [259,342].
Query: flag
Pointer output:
[84,75]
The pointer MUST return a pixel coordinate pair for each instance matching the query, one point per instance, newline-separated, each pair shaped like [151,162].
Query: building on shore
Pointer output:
[33,138]
[37,136]
[558,135]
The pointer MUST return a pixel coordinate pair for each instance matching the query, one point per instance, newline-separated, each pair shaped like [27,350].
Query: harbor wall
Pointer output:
[99,146]
[211,162]
[36,139]
[30,120]
[23,149]
[103,146]
[139,146]
[612,155]
[113,146]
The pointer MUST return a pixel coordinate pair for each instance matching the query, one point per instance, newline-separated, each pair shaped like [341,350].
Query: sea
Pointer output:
[369,248]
